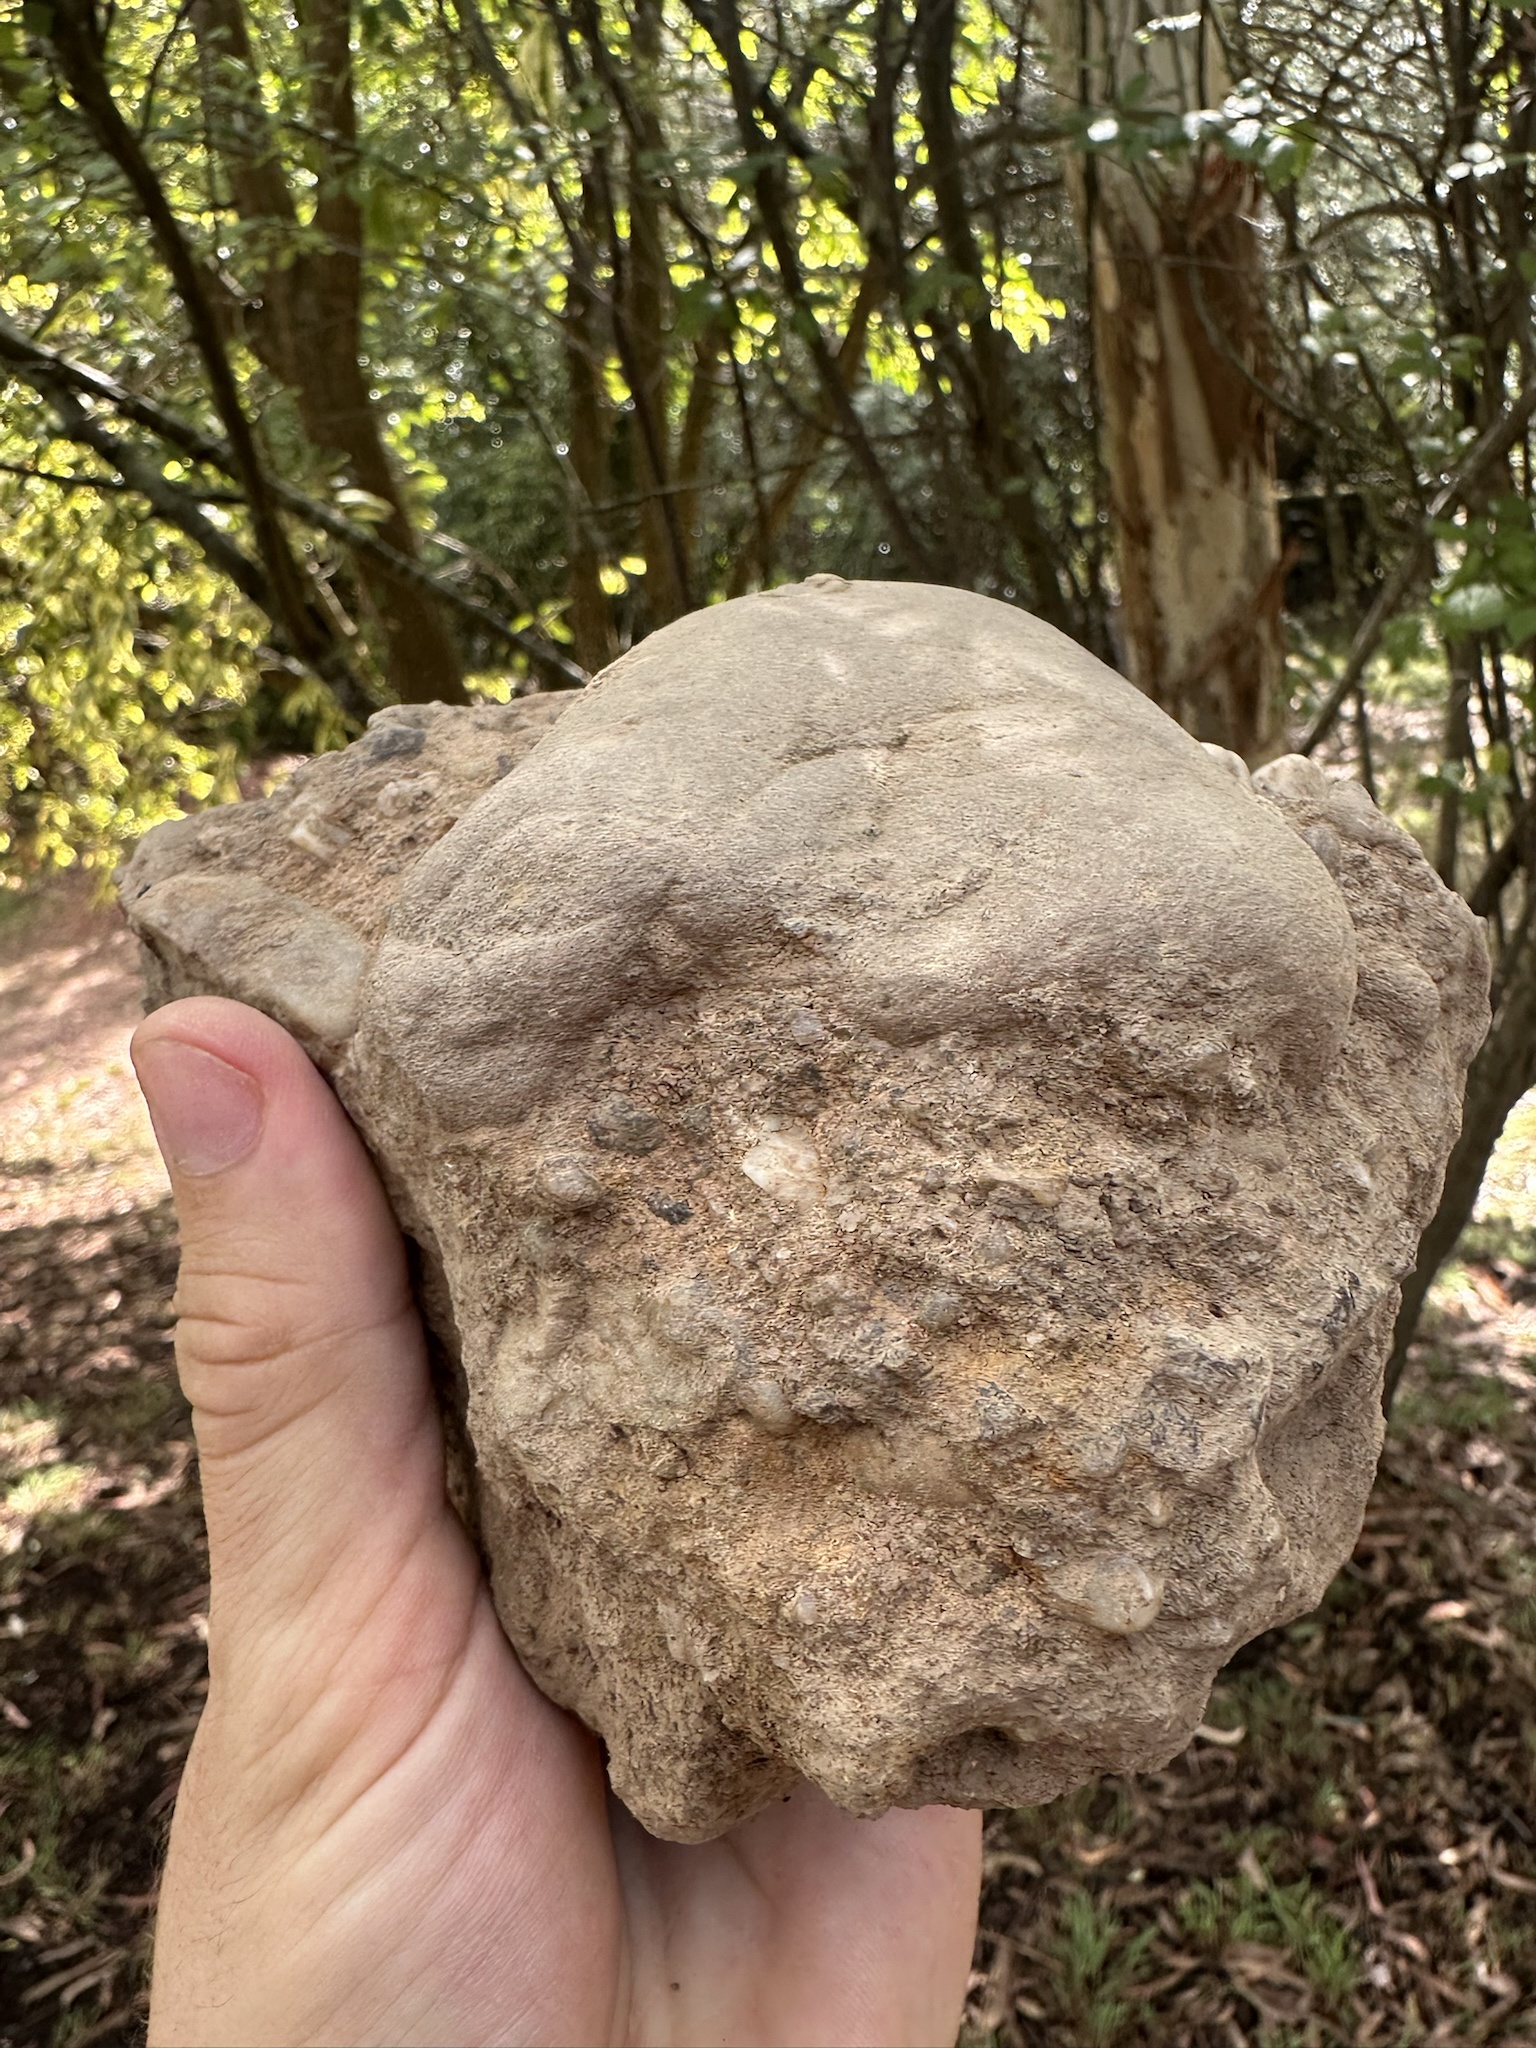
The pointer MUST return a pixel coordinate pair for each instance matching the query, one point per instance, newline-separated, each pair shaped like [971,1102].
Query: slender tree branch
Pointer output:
[1513,852]
[632,262]
[181,508]
[178,507]
[46,370]
[75,35]
[1489,447]
[24,353]
[720,23]
[981,369]
[305,321]
[79,482]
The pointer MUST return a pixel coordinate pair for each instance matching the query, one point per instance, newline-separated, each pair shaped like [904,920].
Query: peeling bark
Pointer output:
[1177,297]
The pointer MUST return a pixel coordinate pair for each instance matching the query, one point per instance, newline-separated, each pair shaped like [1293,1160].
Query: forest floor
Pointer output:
[1345,1854]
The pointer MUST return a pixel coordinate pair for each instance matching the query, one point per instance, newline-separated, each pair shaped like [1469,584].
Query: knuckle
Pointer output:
[243,1322]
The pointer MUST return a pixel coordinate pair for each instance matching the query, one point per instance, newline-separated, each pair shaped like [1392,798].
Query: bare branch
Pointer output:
[75,36]
[1488,449]
[47,371]
[720,23]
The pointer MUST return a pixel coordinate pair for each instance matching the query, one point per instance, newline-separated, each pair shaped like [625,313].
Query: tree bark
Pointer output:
[979,353]
[1177,302]
[1503,1071]
[308,328]
[76,36]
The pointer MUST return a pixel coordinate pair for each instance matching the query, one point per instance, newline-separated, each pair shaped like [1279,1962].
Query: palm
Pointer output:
[464,1876]
[386,1833]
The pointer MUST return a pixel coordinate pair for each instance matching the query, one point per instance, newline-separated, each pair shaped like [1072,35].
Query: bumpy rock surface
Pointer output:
[911,1156]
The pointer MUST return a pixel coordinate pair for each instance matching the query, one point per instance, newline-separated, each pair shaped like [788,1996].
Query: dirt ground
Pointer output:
[74,1138]
[1345,1854]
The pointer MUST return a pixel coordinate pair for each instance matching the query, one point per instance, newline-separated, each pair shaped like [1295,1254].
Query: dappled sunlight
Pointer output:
[75,1139]
[449,356]
[1509,1185]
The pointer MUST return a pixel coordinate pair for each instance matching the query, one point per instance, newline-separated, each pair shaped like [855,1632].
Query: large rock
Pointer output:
[912,1158]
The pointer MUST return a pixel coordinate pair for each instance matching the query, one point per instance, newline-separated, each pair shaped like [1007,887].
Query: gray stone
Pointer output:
[912,1156]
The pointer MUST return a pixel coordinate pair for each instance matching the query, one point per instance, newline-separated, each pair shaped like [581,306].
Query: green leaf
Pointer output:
[1402,639]
[1286,156]
[1474,608]
[380,222]
[697,307]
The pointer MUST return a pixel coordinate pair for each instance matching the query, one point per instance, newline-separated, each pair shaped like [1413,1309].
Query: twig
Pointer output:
[721,25]
[76,36]
[1497,440]
[1505,859]
[51,373]
[102,483]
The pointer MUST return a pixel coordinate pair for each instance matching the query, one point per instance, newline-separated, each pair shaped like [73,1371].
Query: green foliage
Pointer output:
[1100,1963]
[1140,127]
[1440,1398]
[1294,1917]
[1493,587]
[1280,1719]
[503,200]
[599,383]
[125,662]
[1498,1237]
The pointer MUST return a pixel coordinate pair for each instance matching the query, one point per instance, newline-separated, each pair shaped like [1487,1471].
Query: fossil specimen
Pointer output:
[911,1156]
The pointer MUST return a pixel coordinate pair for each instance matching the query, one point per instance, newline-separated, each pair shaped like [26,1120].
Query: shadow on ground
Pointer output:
[1346,1854]
[103,1598]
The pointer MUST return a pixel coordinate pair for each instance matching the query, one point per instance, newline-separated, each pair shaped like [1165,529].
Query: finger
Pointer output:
[297,1342]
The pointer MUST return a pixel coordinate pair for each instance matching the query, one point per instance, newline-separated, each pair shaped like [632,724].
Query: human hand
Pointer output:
[385,1832]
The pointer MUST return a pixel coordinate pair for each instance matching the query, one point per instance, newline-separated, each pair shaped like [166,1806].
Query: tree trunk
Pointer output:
[1504,1069]
[77,37]
[1177,302]
[308,330]
[585,350]
[978,351]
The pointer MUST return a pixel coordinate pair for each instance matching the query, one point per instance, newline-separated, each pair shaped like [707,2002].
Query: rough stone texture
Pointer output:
[912,1156]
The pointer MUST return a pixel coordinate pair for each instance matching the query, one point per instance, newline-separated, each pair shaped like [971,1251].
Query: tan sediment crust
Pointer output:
[912,1157]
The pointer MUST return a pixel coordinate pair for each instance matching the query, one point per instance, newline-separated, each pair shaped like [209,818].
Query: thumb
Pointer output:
[297,1342]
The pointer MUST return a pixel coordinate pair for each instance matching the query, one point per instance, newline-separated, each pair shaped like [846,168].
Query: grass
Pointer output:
[1299,1919]
[1100,1962]
[1446,1400]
